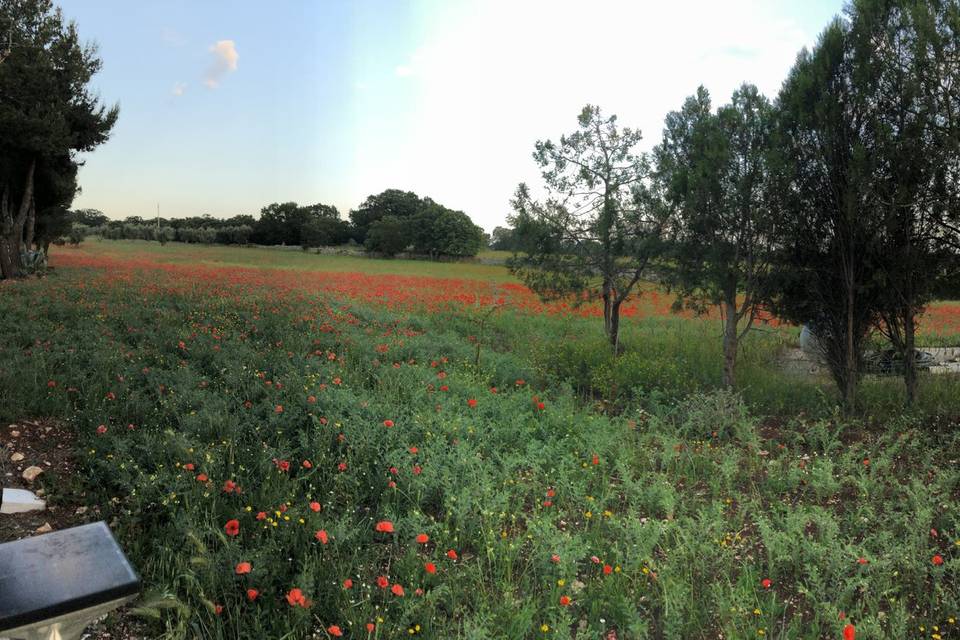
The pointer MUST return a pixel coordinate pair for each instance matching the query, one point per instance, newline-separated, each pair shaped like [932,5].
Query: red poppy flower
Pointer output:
[307,464]
[315,506]
[766,583]
[370,627]
[189,466]
[342,466]
[322,536]
[596,459]
[417,470]
[218,609]
[423,538]
[472,402]
[382,582]
[607,569]
[202,477]
[849,632]
[862,560]
[242,568]
[444,388]
[261,515]
[102,429]
[334,630]
[548,503]
[311,399]
[452,554]
[594,559]
[564,601]
[295,598]
[414,450]
[230,486]
[348,584]
[252,594]
[554,558]
[51,383]
[232,527]
[937,560]
[541,406]
[392,484]
[384,526]
[278,408]
[397,590]
[394,470]
[430,567]
[388,423]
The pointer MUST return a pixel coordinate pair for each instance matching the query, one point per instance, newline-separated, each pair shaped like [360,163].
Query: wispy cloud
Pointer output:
[225,58]
[179,89]
[403,71]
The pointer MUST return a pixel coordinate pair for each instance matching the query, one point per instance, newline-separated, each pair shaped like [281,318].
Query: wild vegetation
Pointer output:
[323,453]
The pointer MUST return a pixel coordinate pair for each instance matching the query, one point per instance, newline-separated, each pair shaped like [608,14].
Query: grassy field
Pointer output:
[283,258]
[316,449]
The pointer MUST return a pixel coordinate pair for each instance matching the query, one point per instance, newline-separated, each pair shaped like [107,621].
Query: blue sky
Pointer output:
[228,106]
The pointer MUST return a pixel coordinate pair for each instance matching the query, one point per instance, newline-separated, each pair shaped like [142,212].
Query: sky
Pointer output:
[227,106]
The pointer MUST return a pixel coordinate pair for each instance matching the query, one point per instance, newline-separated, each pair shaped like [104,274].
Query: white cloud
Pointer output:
[225,58]
[179,89]
[403,71]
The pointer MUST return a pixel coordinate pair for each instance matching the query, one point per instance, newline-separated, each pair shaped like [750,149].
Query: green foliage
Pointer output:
[388,235]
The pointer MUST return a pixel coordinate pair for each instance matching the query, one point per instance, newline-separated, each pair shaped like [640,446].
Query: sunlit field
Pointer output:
[350,447]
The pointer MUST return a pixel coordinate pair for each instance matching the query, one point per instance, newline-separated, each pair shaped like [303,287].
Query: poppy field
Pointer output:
[286,453]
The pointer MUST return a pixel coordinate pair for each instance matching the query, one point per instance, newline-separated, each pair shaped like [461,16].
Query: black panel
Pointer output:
[61,572]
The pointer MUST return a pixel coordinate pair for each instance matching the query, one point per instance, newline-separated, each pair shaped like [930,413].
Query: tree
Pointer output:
[503,239]
[325,232]
[47,114]
[276,224]
[908,58]
[388,235]
[713,168]
[830,221]
[439,231]
[392,202]
[596,231]
[90,217]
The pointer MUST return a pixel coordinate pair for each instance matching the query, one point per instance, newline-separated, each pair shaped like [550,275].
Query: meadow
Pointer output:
[291,445]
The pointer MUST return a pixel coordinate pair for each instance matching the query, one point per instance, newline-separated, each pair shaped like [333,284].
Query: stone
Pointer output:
[17,457]
[14,434]
[30,473]
[80,511]
[19,501]
[46,528]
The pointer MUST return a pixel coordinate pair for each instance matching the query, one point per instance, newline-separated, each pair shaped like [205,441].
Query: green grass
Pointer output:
[692,496]
[283,258]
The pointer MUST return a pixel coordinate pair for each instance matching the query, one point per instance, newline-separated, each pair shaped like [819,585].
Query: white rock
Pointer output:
[17,457]
[80,511]
[30,473]
[14,434]
[46,528]
[20,500]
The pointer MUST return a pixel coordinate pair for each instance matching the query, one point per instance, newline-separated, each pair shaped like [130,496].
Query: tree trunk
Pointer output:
[614,334]
[607,308]
[30,226]
[909,356]
[850,356]
[11,228]
[729,341]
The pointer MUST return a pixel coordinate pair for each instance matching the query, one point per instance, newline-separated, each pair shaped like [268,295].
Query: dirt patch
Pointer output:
[50,445]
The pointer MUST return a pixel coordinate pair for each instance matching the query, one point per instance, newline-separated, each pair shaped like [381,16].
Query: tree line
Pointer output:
[836,204]
[387,223]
